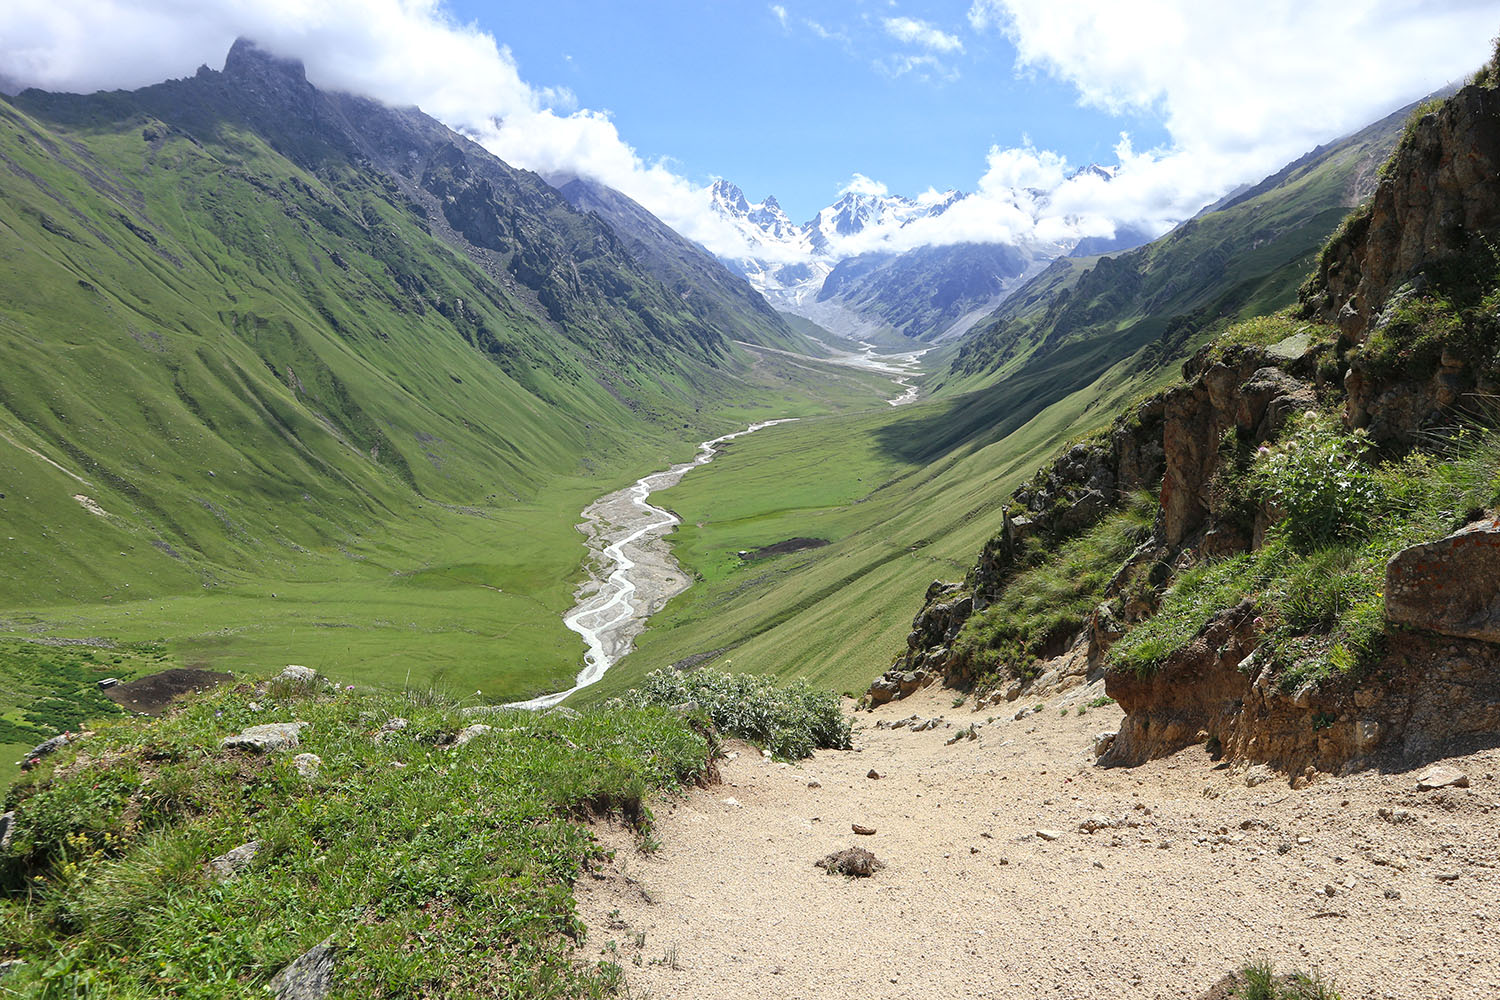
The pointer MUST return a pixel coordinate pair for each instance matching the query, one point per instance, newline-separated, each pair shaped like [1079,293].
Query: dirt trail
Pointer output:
[1204,873]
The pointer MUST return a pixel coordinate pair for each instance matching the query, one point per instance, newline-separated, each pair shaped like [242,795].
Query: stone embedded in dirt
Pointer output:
[1395,815]
[1048,834]
[469,733]
[1103,743]
[863,831]
[1447,876]
[307,765]
[1450,586]
[1096,822]
[873,774]
[814,783]
[1258,775]
[855,862]
[230,863]
[309,977]
[1442,777]
[267,738]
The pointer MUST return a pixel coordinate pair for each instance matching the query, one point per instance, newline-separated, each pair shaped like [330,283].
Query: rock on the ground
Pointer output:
[863,831]
[468,733]
[1048,834]
[1259,774]
[1450,586]
[12,965]
[856,862]
[231,863]
[307,765]
[268,738]
[1442,777]
[1096,822]
[1103,743]
[52,745]
[872,774]
[297,674]
[310,977]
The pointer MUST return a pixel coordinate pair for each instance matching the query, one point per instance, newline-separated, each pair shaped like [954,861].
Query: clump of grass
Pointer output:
[440,870]
[1259,981]
[790,720]
[1054,597]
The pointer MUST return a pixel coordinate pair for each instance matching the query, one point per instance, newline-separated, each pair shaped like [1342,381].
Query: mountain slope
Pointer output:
[1246,258]
[292,374]
[720,299]
[908,496]
[932,294]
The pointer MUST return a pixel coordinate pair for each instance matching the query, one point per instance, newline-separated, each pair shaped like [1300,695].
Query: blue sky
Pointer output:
[727,89]
[1004,99]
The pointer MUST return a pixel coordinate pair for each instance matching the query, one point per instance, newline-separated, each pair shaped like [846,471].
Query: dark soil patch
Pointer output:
[154,693]
[783,547]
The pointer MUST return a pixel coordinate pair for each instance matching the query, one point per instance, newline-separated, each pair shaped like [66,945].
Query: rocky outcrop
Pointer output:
[1450,586]
[1428,697]
[1083,485]
[1436,197]
[1247,393]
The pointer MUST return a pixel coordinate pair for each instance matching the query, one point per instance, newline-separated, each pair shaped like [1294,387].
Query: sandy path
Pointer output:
[974,904]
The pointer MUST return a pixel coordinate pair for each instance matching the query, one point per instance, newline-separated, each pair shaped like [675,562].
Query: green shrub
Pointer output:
[1317,476]
[790,720]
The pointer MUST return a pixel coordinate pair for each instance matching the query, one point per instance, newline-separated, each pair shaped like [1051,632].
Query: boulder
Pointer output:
[7,827]
[307,765]
[1450,586]
[50,746]
[231,863]
[1442,777]
[297,674]
[268,738]
[310,977]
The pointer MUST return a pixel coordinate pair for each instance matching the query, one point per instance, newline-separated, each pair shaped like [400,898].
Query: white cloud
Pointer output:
[925,67]
[403,52]
[860,184]
[1241,89]
[920,33]
[781,15]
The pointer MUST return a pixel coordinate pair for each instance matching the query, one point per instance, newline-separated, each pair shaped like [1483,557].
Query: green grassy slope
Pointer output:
[895,520]
[269,409]
[908,496]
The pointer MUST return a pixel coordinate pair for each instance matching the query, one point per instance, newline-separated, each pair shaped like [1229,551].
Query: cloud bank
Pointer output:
[1242,89]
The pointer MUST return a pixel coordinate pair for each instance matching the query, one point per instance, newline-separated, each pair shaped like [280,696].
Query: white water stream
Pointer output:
[625,537]
[625,531]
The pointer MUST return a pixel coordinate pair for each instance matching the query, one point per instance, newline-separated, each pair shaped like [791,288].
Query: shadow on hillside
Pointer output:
[987,415]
